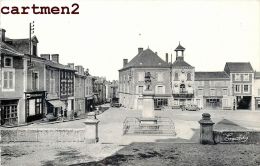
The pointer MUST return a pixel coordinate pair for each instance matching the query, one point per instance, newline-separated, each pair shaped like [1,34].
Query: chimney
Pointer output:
[77,68]
[55,58]
[2,34]
[45,56]
[87,72]
[156,53]
[166,57]
[71,65]
[82,70]
[140,50]
[125,61]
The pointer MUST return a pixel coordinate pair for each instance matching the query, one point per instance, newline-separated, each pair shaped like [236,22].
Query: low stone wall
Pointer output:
[228,136]
[237,137]
[89,134]
[47,135]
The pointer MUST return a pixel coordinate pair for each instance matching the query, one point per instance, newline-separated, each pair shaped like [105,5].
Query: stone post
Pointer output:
[91,129]
[206,129]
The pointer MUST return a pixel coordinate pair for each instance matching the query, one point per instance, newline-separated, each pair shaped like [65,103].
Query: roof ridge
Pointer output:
[146,58]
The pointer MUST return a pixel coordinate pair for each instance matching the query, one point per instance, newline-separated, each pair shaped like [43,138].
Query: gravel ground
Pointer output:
[156,154]
[48,154]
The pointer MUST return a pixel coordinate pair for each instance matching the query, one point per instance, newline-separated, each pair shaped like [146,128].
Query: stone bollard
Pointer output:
[206,129]
[91,135]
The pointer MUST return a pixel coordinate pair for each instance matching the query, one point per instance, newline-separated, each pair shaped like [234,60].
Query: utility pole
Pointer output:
[31,31]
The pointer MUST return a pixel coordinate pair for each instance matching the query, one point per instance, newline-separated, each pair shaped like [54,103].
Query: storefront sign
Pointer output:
[34,95]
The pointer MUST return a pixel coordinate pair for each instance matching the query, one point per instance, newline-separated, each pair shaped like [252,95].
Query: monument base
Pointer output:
[149,126]
[148,121]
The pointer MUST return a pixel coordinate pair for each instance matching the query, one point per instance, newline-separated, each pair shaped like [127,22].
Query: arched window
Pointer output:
[176,76]
[8,62]
[188,77]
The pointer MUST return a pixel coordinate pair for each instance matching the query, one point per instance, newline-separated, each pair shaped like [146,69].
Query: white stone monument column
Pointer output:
[148,115]
[148,106]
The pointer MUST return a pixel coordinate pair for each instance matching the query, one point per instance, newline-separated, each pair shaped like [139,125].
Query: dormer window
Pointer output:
[8,62]
[34,50]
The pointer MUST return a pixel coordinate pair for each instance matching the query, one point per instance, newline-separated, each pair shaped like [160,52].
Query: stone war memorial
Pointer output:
[148,124]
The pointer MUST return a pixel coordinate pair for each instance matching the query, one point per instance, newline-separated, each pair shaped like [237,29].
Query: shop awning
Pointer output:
[89,97]
[57,103]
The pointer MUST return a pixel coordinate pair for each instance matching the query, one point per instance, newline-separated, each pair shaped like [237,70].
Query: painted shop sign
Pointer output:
[34,95]
[235,137]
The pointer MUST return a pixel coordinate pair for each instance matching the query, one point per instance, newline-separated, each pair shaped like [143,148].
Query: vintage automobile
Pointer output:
[191,107]
[115,102]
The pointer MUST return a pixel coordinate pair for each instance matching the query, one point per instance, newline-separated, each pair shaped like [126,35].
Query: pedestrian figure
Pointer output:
[65,112]
[61,114]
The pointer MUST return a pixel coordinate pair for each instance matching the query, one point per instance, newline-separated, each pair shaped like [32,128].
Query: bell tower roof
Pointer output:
[179,48]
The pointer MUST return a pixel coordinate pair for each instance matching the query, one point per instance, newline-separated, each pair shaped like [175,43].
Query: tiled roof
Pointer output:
[211,76]
[58,65]
[7,49]
[239,67]
[257,75]
[146,58]
[179,63]
[21,45]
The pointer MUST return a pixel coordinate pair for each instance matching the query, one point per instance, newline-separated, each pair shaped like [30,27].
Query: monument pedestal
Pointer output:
[148,124]
[148,117]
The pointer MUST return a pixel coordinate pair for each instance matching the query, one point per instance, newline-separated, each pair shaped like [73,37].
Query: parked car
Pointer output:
[115,102]
[108,100]
[192,107]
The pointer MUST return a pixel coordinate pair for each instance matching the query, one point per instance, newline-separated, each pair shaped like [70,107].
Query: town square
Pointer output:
[109,86]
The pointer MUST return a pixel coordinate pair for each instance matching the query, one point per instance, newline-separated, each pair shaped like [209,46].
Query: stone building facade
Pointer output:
[12,97]
[33,86]
[182,83]
[256,92]
[242,79]
[213,90]
[177,84]
[131,80]
[89,97]
[79,90]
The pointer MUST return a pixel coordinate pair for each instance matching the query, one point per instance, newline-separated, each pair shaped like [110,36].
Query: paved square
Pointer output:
[112,138]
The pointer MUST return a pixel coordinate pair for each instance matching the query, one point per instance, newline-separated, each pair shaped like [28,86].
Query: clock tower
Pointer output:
[182,79]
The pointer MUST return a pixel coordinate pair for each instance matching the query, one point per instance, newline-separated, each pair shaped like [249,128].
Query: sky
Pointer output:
[106,32]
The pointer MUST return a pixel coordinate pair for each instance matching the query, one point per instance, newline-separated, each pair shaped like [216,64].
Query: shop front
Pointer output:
[180,100]
[55,107]
[243,102]
[213,102]
[69,106]
[34,105]
[160,102]
[89,103]
[8,110]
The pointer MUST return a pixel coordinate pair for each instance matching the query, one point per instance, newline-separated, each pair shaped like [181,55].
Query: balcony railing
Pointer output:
[183,93]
